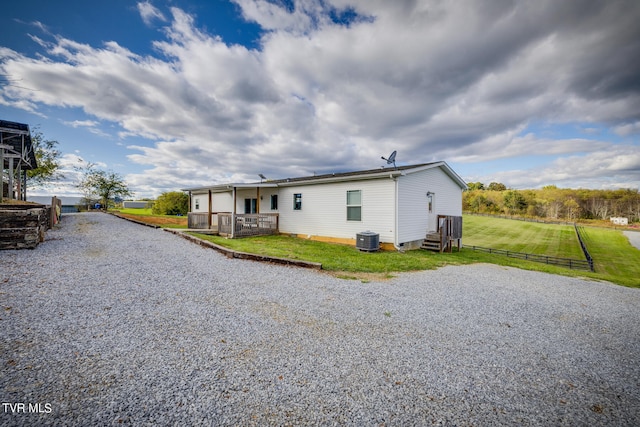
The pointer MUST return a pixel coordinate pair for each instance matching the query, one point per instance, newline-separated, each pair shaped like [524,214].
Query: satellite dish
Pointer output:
[391,159]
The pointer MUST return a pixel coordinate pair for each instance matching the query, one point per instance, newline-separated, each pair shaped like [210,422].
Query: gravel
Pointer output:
[634,238]
[111,323]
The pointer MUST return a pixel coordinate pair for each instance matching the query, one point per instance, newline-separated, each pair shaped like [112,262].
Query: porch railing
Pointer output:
[244,225]
[198,220]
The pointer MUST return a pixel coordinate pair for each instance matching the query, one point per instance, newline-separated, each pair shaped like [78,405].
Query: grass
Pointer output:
[613,255]
[520,236]
[334,257]
[615,259]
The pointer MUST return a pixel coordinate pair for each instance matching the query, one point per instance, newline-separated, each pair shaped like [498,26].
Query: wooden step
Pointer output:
[430,247]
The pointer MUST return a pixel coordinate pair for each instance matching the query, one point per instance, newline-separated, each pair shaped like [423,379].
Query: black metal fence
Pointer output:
[574,264]
[587,255]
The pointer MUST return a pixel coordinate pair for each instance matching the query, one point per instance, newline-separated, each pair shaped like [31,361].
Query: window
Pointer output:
[430,202]
[197,204]
[297,202]
[250,206]
[274,202]
[354,205]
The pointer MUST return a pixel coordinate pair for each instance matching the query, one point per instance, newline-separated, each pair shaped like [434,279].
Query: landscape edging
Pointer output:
[230,253]
[134,220]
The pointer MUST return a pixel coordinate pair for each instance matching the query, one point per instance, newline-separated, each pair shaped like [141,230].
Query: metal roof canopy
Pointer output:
[16,157]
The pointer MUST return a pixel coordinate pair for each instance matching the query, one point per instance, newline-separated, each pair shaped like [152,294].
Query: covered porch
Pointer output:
[235,210]
[234,225]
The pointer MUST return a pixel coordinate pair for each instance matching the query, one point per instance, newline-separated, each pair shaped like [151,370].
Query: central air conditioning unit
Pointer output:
[368,241]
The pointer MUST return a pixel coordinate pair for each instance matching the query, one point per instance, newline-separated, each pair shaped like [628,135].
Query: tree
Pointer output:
[496,186]
[105,185]
[475,186]
[172,203]
[48,159]
[572,208]
[514,201]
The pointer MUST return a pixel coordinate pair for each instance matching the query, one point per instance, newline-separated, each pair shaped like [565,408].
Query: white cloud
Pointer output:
[617,167]
[81,123]
[628,129]
[149,13]
[433,80]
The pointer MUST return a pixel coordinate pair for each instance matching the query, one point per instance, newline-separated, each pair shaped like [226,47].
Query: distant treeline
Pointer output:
[552,202]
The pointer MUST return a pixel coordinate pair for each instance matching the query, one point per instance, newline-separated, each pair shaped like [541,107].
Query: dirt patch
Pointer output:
[361,276]
[156,220]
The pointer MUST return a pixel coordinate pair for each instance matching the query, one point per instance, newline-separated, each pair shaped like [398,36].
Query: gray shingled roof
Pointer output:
[346,174]
[373,173]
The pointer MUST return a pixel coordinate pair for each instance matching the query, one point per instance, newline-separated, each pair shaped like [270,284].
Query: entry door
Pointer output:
[432,218]
[250,206]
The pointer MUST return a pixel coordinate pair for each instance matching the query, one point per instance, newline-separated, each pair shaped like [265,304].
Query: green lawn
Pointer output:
[335,257]
[531,237]
[616,260]
[613,254]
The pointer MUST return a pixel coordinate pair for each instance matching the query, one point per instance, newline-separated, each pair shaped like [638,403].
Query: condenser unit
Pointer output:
[368,241]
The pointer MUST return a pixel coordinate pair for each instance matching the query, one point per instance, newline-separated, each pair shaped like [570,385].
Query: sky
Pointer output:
[172,94]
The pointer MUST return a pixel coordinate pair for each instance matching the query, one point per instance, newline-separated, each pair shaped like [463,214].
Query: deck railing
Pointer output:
[198,220]
[244,225]
[450,229]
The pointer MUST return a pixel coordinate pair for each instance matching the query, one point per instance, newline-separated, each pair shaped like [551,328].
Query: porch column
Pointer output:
[209,212]
[257,200]
[1,170]
[11,172]
[233,215]
[24,184]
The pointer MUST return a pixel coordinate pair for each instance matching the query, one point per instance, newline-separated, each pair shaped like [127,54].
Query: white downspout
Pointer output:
[396,244]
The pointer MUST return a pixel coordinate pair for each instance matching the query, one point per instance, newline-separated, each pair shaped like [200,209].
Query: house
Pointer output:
[69,204]
[401,204]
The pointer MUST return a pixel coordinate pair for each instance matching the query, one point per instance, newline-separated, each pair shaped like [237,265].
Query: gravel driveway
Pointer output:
[113,323]
[634,238]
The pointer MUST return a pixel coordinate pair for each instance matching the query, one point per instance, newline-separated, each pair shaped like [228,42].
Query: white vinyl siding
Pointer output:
[414,219]
[221,202]
[323,209]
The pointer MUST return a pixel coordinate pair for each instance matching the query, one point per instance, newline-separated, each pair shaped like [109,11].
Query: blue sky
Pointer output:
[181,93]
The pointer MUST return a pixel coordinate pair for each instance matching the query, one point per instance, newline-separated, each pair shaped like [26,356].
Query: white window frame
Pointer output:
[297,201]
[352,206]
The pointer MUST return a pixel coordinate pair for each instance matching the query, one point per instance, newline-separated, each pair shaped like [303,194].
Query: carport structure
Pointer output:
[17,156]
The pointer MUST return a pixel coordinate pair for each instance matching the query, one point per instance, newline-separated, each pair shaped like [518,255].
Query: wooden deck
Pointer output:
[449,232]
